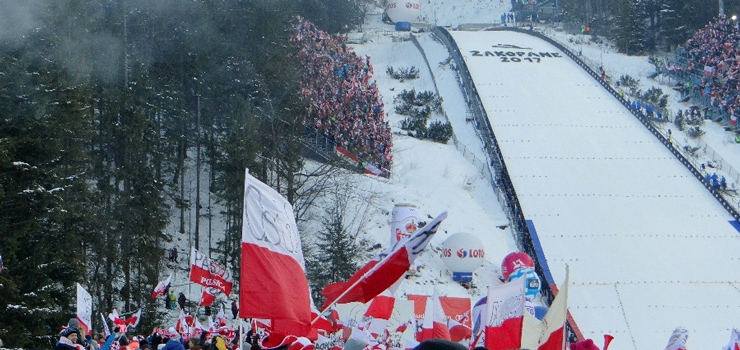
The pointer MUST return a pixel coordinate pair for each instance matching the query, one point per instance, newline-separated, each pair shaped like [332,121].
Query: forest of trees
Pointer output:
[103,103]
[644,26]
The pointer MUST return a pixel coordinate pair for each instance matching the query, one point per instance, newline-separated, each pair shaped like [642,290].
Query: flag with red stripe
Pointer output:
[271,249]
[505,312]
[384,270]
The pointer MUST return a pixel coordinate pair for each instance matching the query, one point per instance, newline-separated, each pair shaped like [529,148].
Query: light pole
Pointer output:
[734,20]
[721,7]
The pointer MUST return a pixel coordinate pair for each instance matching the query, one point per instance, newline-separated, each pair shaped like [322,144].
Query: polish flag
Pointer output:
[208,296]
[160,288]
[678,339]
[271,249]
[402,327]
[378,313]
[552,333]
[113,316]
[459,331]
[384,270]
[434,324]
[321,323]
[133,321]
[505,313]
[381,307]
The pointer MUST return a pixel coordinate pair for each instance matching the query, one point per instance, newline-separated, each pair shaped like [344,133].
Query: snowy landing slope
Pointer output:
[648,246]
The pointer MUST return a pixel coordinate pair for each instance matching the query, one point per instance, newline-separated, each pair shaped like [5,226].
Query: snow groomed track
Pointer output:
[649,247]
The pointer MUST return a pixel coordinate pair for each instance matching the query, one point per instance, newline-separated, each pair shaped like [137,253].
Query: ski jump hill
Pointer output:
[589,184]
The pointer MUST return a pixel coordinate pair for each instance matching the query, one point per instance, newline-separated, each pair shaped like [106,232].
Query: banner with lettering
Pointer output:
[207,273]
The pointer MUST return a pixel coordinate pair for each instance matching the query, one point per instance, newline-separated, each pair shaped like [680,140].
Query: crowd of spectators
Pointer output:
[340,99]
[711,65]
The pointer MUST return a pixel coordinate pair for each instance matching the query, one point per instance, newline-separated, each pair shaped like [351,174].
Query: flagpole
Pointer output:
[241,333]
[346,291]
[377,266]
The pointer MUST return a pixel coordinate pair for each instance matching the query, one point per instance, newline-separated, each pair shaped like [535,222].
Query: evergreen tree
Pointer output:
[336,251]
[630,31]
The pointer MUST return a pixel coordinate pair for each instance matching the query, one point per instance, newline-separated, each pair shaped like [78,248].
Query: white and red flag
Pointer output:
[459,331]
[207,273]
[384,270]
[84,310]
[551,331]
[505,313]
[133,321]
[161,287]
[435,323]
[378,313]
[208,296]
[678,339]
[322,323]
[271,249]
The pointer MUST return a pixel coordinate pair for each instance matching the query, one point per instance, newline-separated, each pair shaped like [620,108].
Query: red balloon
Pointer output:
[515,261]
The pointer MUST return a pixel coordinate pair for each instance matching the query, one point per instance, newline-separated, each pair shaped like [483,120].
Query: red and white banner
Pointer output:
[84,310]
[455,308]
[161,287]
[384,270]
[505,315]
[347,155]
[207,273]
[434,324]
[271,249]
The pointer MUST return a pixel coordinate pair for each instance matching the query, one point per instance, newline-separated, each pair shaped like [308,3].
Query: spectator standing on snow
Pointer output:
[173,299]
[181,300]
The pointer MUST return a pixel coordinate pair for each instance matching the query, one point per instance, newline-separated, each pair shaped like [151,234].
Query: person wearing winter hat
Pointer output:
[67,339]
[174,342]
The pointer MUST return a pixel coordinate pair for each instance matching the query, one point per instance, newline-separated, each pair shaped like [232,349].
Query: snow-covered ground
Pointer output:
[612,220]
[606,197]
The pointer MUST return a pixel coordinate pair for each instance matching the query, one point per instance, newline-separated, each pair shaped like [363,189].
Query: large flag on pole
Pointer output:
[552,331]
[207,273]
[384,270]
[271,249]
[505,314]
[161,287]
[84,310]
